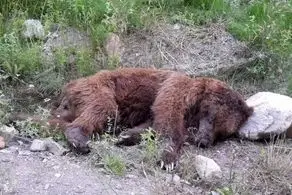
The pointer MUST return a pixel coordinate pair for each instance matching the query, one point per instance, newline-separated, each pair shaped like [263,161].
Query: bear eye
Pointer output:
[66,107]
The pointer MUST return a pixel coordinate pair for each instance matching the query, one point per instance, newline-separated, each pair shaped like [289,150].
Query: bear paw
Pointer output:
[77,140]
[128,138]
[169,159]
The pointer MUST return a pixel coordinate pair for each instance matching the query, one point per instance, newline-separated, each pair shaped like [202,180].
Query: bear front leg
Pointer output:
[171,127]
[92,119]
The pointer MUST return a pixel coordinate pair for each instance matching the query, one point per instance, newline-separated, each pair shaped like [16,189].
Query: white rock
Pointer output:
[54,147]
[272,116]
[7,132]
[47,144]
[38,145]
[173,179]
[33,29]
[176,179]
[207,168]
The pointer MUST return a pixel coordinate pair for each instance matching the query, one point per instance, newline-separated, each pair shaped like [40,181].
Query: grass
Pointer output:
[270,172]
[150,147]
[263,24]
[115,164]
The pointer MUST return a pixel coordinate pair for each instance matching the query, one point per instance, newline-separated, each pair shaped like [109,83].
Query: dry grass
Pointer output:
[271,172]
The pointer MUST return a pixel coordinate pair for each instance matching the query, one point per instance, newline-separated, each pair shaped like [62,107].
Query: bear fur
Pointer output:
[125,95]
[197,110]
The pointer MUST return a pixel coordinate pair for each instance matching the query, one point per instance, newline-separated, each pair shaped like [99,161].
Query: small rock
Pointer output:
[54,147]
[176,27]
[173,179]
[2,142]
[24,153]
[207,168]
[57,175]
[176,179]
[33,29]
[272,116]
[7,132]
[214,193]
[47,145]
[129,176]
[113,46]
[47,186]
[38,145]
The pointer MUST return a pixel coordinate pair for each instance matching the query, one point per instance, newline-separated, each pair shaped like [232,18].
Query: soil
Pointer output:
[25,172]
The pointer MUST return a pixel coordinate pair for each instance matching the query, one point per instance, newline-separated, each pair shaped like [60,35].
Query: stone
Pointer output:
[7,132]
[47,144]
[38,145]
[173,178]
[207,168]
[113,46]
[176,179]
[272,116]
[2,142]
[65,39]
[33,29]
[54,148]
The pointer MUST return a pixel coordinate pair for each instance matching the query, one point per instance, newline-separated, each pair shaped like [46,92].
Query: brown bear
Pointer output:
[125,94]
[207,105]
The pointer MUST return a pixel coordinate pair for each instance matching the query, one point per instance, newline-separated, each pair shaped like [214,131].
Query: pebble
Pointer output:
[2,142]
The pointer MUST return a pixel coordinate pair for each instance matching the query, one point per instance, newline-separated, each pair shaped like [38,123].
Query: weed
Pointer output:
[225,191]
[114,164]
[17,60]
[113,62]
[150,144]
[38,129]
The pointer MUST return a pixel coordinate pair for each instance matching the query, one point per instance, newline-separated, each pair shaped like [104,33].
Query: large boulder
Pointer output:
[272,116]
[62,39]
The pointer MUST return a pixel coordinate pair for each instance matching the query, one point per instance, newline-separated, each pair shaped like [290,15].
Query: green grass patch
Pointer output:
[17,58]
[115,164]
[265,25]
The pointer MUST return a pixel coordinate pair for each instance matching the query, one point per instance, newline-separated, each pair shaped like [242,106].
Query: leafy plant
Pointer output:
[150,144]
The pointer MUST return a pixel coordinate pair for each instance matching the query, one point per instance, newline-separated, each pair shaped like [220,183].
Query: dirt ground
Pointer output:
[26,172]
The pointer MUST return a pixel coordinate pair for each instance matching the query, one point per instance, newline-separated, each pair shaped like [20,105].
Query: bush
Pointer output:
[265,25]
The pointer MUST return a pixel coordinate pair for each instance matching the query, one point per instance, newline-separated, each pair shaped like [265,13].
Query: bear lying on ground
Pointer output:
[124,94]
[195,110]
